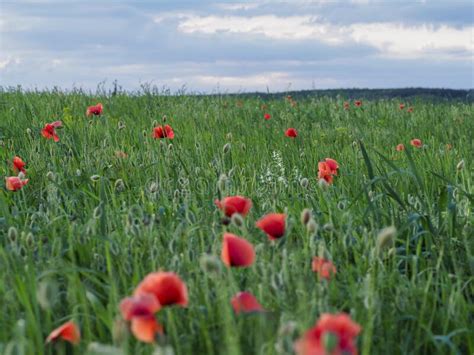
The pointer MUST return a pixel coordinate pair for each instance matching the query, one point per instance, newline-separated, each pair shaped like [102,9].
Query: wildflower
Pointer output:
[410,109]
[358,103]
[400,147]
[141,305]
[346,105]
[267,116]
[402,106]
[291,132]
[245,302]
[236,251]
[95,110]
[327,169]
[167,287]
[323,267]
[49,130]
[416,143]
[332,334]
[145,328]
[273,224]
[163,132]
[68,332]
[18,165]
[305,216]
[15,183]
[234,204]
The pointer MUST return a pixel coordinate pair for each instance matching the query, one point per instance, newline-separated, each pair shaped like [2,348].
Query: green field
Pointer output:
[91,223]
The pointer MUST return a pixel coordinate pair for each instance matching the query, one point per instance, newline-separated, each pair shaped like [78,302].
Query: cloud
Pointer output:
[390,39]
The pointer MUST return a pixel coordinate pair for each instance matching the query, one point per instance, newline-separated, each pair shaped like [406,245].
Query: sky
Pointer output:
[207,46]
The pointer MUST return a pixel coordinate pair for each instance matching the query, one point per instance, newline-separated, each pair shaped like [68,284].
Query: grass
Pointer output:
[72,248]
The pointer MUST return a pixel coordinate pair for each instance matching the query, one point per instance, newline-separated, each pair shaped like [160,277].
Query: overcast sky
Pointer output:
[208,46]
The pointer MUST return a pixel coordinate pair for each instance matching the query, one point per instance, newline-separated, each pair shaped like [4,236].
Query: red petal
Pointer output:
[245,302]
[237,251]
[167,287]
[68,332]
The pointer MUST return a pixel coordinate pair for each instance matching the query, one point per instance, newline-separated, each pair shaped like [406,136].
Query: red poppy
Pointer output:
[145,328]
[18,165]
[273,224]
[402,106]
[332,334]
[449,146]
[49,130]
[234,204]
[332,165]
[358,103]
[163,132]
[267,116]
[167,287]
[346,105]
[15,183]
[141,305]
[68,332]
[236,251]
[327,169]
[416,143]
[95,110]
[400,147]
[291,132]
[245,302]
[410,109]
[323,267]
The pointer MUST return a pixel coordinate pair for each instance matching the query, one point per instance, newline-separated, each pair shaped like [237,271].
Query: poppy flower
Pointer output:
[410,109]
[15,183]
[273,224]
[416,143]
[145,328]
[332,334]
[163,132]
[291,132]
[95,110]
[346,105]
[400,147]
[245,302]
[18,165]
[68,332]
[332,165]
[325,172]
[167,287]
[49,130]
[358,103]
[234,204]
[236,251]
[402,106]
[267,116]
[323,267]
[141,305]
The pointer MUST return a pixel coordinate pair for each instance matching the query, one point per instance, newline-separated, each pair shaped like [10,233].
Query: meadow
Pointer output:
[108,204]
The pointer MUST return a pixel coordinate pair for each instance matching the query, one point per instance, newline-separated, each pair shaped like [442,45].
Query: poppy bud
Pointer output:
[119,185]
[330,341]
[153,187]
[78,172]
[229,136]
[225,221]
[328,227]
[50,176]
[237,220]
[323,184]
[144,133]
[210,264]
[28,131]
[305,216]
[97,212]
[121,125]
[222,182]
[95,178]
[164,118]
[21,175]
[29,240]
[460,165]
[170,146]
[385,238]
[119,330]
[304,182]
[226,148]
[312,227]
[12,234]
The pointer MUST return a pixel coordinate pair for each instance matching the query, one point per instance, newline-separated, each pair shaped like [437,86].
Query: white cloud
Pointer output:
[391,39]
[238,6]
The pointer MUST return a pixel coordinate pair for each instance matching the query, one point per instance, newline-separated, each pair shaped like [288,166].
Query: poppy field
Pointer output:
[151,224]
